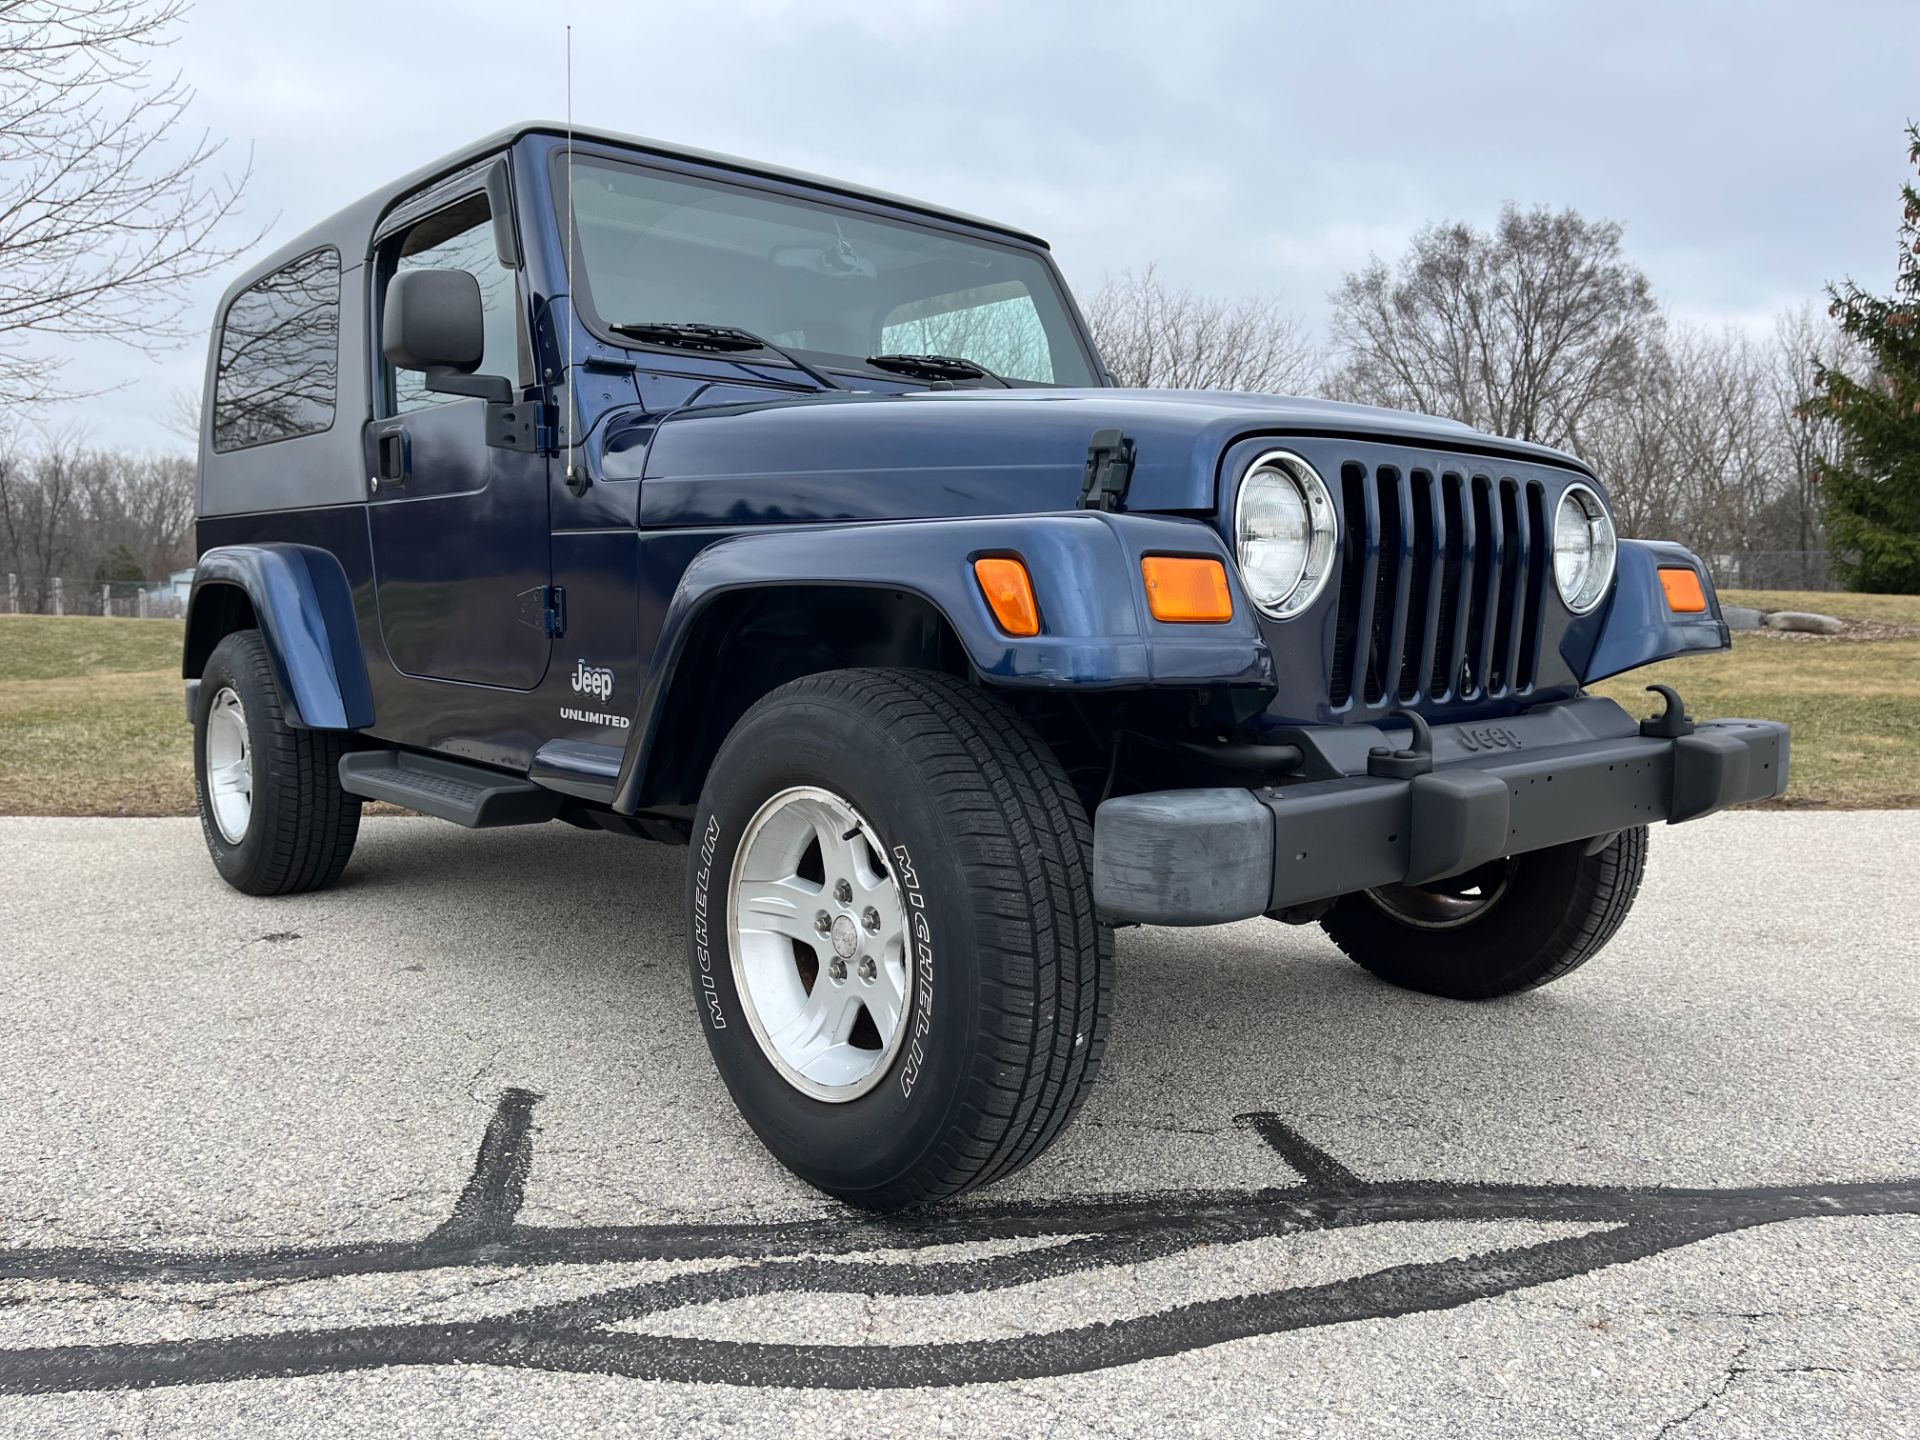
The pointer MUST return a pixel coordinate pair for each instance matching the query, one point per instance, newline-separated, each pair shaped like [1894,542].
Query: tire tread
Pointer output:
[1025,843]
[314,823]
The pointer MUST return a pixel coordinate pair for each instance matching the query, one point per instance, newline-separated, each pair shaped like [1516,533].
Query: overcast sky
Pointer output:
[1753,151]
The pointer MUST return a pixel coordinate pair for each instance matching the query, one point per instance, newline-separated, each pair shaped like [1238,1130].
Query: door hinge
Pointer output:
[524,425]
[545,608]
[1109,471]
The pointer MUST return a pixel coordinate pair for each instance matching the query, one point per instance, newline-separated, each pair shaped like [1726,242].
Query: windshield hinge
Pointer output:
[1109,471]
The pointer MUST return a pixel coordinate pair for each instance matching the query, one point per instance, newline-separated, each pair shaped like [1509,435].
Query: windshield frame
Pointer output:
[600,326]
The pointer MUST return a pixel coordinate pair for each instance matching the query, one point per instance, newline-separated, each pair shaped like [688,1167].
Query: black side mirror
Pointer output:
[434,323]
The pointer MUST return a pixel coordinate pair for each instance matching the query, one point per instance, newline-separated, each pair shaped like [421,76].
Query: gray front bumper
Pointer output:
[1203,857]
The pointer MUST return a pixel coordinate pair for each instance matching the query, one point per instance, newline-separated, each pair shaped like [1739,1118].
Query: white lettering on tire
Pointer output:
[921,938]
[702,951]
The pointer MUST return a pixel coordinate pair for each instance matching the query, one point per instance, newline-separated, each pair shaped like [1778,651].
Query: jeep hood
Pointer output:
[924,454]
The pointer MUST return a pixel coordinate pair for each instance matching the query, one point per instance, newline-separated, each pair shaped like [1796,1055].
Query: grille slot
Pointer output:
[1442,587]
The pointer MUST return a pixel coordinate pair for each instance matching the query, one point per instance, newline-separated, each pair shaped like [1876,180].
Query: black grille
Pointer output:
[1442,577]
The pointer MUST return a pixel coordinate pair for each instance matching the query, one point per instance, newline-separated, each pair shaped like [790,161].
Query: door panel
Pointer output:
[460,549]
[459,530]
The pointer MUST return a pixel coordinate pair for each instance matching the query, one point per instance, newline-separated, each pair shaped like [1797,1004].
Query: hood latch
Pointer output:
[1109,471]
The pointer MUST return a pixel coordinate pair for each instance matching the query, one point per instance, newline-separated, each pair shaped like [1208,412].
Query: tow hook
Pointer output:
[1417,759]
[1673,721]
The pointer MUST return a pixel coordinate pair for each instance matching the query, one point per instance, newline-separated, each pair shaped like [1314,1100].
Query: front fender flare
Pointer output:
[304,608]
[1639,628]
[1096,630]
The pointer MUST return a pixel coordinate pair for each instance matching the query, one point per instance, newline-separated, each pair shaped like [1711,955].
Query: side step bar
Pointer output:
[469,795]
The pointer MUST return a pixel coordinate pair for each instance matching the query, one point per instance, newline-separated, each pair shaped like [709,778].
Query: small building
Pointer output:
[173,590]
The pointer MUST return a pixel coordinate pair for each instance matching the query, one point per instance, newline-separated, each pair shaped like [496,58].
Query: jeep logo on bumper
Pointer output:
[1488,737]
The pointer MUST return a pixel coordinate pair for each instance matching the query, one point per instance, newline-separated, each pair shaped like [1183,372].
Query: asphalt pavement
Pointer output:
[440,1151]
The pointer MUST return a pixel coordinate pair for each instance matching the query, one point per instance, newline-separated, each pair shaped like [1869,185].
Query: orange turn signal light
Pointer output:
[1009,594]
[1186,590]
[1684,595]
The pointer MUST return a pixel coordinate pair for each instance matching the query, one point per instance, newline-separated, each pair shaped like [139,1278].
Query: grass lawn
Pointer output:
[91,717]
[91,720]
[1854,705]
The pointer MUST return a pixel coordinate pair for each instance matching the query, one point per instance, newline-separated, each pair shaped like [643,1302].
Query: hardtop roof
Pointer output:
[348,228]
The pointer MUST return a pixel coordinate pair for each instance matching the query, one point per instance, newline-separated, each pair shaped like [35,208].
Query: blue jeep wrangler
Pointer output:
[687,498]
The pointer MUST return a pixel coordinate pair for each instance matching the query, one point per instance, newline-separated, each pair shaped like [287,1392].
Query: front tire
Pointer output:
[892,937]
[271,807]
[1512,925]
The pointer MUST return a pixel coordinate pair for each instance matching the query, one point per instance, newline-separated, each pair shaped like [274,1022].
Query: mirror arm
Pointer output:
[445,380]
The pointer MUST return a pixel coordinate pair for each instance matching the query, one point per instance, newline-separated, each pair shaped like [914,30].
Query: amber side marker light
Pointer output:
[1684,595]
[1009,594]
[1185,590]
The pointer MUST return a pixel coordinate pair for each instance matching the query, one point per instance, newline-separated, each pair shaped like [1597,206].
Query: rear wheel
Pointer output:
[1509,925]
[892,937]
[271,807]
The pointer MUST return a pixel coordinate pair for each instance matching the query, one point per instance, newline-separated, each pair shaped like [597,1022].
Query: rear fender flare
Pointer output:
[304,608]
[1096,630]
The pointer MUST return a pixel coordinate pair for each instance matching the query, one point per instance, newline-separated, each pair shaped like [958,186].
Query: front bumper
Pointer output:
[1582,770]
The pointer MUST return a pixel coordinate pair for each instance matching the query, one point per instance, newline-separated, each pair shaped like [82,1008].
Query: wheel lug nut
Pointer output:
[822,923]
[838,969]
[843,892]
[868,970]
[870,918]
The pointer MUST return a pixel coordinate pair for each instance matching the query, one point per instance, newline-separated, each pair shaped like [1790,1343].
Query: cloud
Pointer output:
[1243,146]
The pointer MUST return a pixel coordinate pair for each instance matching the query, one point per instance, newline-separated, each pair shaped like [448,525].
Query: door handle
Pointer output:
[396,457]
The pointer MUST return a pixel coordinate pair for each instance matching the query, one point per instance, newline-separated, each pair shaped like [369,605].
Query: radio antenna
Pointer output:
[572,319]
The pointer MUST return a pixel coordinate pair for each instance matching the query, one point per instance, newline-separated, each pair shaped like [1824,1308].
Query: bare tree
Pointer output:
[109,205]
[1526,330]
[1726,432]
[138,505]
[1633,442]
[1715,445]
[1805,339]
[70,510]
[39,497]
[1153,336]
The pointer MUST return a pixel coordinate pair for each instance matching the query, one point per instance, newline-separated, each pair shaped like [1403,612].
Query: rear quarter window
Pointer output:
[280,355]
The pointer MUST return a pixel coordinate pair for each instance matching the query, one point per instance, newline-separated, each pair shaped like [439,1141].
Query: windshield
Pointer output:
[838,285]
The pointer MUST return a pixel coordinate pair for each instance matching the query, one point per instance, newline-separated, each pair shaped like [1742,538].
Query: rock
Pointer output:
[1806,622]
[1739,617]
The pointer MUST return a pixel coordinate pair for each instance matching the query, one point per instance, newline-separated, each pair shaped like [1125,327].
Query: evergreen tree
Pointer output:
[120,567]
[1873,491]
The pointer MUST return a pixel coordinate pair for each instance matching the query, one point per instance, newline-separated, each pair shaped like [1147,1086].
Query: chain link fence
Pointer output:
[1774,570]
[129,599]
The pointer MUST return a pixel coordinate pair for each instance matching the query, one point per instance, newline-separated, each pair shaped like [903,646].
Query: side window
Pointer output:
[997,326]
[460,237]
[280,355]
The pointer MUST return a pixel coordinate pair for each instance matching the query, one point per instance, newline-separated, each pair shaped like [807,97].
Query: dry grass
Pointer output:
[1854,705]
[91,720]
[91,717]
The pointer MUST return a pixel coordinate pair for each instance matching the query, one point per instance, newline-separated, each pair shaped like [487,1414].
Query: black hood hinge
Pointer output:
[1109,471]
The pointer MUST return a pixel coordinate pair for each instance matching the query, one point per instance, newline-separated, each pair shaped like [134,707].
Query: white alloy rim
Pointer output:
[821,957]
[229,766]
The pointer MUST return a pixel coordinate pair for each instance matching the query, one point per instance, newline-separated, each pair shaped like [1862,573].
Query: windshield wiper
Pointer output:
[717,340]
[935,367]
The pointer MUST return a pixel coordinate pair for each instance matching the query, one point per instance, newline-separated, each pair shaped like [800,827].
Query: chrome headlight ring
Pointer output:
[1585,548]
[1285,534]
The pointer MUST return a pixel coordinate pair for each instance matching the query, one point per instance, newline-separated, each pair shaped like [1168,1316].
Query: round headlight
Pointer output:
[1583,549]
[1284,533]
